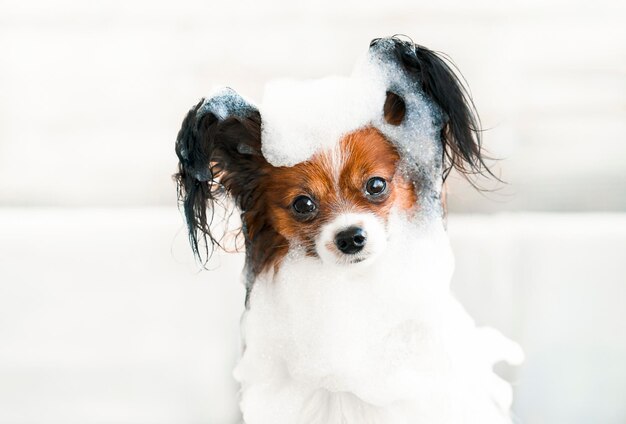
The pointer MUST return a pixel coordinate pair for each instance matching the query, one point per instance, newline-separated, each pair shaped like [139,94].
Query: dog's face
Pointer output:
[335,206]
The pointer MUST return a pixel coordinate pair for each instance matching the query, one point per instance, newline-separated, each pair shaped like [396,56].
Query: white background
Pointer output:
[104,317]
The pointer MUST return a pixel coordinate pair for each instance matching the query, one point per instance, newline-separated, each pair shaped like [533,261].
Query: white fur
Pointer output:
[382,342]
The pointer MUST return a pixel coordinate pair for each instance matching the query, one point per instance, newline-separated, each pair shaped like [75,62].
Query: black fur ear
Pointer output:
[461,134]
[218,147]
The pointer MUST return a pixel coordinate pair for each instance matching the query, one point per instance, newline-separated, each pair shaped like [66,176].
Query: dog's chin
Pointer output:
[354,261]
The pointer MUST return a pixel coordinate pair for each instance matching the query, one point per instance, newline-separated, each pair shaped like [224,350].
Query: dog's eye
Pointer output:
[375,186]
[303,205]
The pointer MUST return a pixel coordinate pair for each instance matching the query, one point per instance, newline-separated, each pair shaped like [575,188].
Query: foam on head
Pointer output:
[301,118]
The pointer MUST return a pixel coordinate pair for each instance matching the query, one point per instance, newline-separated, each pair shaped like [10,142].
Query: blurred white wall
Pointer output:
[556,284]
[104,317]
[93,93]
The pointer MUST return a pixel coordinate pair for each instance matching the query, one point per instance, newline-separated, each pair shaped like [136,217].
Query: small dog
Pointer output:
[339,182]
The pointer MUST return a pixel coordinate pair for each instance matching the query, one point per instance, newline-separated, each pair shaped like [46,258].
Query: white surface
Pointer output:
[103,317]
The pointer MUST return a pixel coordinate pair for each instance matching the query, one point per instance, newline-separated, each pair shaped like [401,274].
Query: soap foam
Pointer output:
[389,334]
[301,118]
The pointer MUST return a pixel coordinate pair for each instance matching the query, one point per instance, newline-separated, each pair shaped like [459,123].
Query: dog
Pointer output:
[339,184]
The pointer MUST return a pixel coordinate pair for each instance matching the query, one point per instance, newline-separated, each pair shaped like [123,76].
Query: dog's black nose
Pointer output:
[350,240]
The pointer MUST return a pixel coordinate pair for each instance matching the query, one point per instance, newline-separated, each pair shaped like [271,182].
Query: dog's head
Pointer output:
[334,204]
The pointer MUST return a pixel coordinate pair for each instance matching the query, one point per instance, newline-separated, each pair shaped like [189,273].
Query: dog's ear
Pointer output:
[461,133]
[394,108]
[219,152]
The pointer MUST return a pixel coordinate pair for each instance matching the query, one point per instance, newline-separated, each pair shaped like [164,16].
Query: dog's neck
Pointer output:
[331,324]
[380,342]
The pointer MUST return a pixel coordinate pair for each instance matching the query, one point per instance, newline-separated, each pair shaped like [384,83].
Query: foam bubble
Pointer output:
[224,102]
[303,117]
